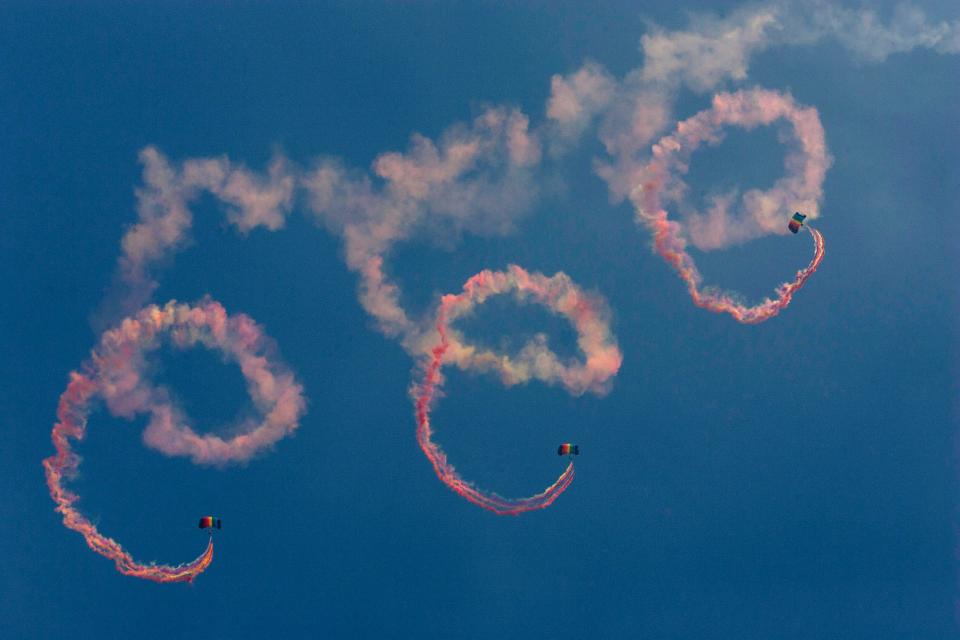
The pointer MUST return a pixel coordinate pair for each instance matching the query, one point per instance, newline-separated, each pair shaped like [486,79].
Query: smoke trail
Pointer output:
[560,295]
[478,177]
[114,374]
[165,219]
[763,212]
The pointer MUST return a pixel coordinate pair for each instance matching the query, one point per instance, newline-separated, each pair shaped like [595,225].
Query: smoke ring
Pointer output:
[115,373]
[275,393]
[559,294]
[760,212]
[764,212]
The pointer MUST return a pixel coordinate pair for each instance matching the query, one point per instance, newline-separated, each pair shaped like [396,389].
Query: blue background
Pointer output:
[796,479]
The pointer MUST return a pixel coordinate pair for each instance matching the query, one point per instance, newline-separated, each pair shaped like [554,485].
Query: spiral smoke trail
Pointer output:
[763,212]
[115,374]
[559,294]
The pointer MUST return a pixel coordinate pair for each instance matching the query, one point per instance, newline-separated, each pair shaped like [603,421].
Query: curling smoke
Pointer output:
[602,359]
[115,374]
[763,212]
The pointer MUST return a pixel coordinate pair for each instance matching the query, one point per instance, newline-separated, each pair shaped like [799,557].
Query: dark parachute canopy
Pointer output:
[209,522]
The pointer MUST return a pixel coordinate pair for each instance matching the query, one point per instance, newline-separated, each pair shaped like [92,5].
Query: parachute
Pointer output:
[567,449]
[209,522]
[797,222]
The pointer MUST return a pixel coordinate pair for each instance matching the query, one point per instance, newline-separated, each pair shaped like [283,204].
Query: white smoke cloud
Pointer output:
[714,51]
[865,33]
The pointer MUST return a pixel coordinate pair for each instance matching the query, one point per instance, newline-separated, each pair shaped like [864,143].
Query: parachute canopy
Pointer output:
[797,222]
[209,522]
[567,449]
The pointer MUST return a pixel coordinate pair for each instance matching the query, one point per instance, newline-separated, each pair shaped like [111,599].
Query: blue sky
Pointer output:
[794,479]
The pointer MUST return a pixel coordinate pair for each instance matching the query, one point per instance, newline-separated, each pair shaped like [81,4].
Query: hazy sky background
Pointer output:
[795,479]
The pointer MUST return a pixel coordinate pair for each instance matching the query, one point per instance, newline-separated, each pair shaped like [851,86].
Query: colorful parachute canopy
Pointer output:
[797,222]
[209,522]
[567,449]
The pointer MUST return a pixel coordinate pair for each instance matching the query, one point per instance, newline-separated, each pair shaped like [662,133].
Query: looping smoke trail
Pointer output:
[763,212]
[559,294]
[114,374]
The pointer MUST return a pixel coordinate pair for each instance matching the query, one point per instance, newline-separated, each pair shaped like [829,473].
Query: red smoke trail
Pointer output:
[72,414]
[720,302]
[559,294]
[762,212]
[114,373]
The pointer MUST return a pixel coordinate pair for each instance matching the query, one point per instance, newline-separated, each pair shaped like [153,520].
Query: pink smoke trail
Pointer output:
[560,295]
[114,373]
[763,212]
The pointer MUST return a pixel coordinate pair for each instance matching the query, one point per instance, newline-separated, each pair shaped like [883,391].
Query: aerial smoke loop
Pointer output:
[602,360]
[763,212]
[115,374]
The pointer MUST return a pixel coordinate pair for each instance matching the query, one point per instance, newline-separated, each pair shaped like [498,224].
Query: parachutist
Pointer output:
[569,450]
[796,222]
[209,522]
